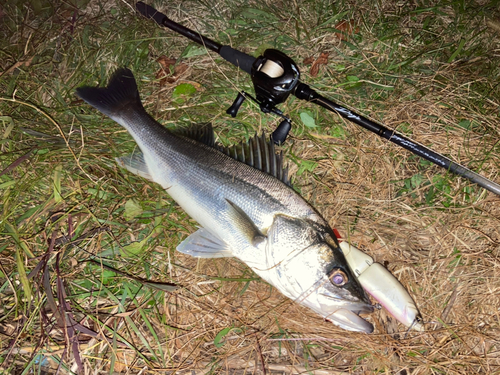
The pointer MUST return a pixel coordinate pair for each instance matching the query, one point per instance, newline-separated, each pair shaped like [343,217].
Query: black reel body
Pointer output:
[275,76]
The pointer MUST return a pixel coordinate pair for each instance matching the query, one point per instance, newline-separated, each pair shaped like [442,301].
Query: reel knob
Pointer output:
[281,132]
[233,110]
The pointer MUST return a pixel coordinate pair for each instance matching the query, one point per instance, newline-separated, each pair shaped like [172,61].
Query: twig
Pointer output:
[259,350]
[160,285]
[308,339]
[240,364]
[447,309]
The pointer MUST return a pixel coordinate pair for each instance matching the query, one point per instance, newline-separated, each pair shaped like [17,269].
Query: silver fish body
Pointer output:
[243,211]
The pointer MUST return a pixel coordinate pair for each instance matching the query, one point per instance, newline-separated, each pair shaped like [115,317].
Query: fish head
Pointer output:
[308,266]
[338,295]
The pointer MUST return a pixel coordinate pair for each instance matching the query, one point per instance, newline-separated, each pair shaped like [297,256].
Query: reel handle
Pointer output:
[276,76]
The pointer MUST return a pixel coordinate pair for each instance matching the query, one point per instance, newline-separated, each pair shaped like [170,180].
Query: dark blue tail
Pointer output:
[121,93]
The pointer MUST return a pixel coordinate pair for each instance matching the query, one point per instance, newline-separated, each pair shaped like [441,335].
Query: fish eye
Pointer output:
[338,277]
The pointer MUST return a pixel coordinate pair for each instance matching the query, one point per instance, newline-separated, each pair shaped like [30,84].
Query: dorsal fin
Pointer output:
[202,133]
[259,152]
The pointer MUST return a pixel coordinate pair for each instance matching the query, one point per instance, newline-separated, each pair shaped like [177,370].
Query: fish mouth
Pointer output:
[350,320]
[348,317]
[363,309]
[346,313]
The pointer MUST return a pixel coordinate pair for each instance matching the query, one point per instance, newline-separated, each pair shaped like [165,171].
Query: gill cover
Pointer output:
[303,265]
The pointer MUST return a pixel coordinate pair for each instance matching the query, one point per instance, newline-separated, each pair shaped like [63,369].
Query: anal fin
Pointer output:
[136,164]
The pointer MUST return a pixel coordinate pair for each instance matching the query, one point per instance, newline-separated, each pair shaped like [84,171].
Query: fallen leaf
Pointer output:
[162,76]
[308,60]
[321,60]
[179,69]
[133,249]
[166,62]
[196,85]
[346,28]
[308,119]
[165,74]
[132,209]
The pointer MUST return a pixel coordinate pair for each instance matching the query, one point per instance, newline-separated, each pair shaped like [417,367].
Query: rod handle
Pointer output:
[237,58]
[150,12]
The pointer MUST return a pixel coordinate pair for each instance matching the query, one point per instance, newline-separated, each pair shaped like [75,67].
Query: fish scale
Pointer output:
[243,211]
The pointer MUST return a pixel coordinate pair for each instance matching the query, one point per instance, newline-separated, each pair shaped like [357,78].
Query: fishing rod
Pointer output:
[276,76]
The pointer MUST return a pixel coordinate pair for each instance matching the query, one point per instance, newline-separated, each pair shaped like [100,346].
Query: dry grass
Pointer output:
[65,202]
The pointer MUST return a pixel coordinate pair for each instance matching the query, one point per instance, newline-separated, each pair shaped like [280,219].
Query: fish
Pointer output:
[242,200]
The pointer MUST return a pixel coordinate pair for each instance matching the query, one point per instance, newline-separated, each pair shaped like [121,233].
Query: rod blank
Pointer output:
[304,92]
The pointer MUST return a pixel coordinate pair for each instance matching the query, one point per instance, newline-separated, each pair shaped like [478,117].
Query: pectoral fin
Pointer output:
[203,244]
[244,224]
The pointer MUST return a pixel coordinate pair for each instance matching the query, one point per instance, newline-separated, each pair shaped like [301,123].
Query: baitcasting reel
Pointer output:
[275,76]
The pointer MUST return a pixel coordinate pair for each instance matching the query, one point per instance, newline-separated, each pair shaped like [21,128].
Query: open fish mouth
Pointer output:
[365,309]
[350,320]
[347,315]
[363,306]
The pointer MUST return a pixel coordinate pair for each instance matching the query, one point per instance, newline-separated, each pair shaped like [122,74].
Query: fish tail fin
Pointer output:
[119,96]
